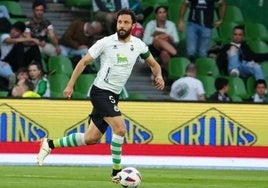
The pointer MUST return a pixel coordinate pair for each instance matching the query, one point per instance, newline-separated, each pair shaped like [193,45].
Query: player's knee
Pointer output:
[90,141]
[233,50]
[121,131]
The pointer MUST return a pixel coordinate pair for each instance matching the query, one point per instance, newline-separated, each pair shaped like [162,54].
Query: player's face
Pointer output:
[124,26]
[260,89]
[161,14]
[34,72]
[38,11]
[15,33]
[18,89]
[238,35]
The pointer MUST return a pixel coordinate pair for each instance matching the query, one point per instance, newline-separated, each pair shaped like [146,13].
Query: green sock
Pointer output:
[116,150]
[75,139]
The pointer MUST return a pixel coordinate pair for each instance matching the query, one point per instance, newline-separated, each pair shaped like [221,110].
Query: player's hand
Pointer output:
[181,26]
[218,23]
[159,82]
[67,93]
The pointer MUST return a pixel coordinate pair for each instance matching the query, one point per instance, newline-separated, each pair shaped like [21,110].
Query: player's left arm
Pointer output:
[156,69]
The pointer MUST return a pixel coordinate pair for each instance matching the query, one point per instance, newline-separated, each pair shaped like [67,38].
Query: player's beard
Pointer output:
[123,35]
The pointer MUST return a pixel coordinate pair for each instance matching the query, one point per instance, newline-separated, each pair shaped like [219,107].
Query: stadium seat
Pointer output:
[136,96]
[82,85]
[250,85]
[3,93]
[226,31]
[258,46]
[57,82]
[207,66]
[79,3]
[154,4]
[15,10]
[236,98]
[60,65]
[174,10]
[256,31]
[233,14]
[237,88]
[176,67]
[264,66]
[208,84]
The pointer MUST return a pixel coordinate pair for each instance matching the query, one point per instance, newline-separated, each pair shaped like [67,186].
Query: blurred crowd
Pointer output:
[172,31]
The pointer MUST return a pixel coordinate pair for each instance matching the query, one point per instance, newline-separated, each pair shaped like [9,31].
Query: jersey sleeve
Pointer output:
[200,88]
[96,49]
[145,53]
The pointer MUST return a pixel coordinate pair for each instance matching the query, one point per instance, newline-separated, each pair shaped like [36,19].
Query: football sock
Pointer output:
[75,139]
[116,150]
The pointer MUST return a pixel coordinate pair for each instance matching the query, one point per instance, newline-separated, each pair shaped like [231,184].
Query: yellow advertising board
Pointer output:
[184,123]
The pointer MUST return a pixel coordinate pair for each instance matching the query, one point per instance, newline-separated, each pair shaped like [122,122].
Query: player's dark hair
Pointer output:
[220,83]
[260,81]
[127,12]
[29,84]
[20,26]
[240,27]
[157,8]
[37,3]
[38,65]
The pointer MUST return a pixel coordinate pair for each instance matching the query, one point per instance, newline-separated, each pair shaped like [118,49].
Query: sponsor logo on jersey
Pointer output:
[16,126]
[213,128]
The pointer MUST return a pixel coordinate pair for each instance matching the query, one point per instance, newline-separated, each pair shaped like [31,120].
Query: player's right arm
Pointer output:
[181,16]
[81,65]
[156,70]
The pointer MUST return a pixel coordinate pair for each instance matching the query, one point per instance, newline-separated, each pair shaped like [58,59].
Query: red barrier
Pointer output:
[146,149]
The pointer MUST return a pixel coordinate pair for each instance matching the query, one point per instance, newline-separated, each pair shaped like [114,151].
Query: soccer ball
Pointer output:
[130,177]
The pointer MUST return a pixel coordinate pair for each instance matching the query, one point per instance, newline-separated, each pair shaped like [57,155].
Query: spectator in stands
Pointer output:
[260,95]
[188,88]
[18,50]
[42,29]
[24,89]
[162,37]
[4,12]
[141,12]
[7,73]
[200,24]
[22,74]
[105,11]
[79,36]
[222,87]
[41,84]
[237,59]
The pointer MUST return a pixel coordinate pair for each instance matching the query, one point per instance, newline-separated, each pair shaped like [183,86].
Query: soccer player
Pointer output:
[118,53]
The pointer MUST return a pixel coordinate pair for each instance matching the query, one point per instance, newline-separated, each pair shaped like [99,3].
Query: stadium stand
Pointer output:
[60,65]
[58,83]
[207,66]
[208,84]
[233,14]
[82,85]
[237,88]
[139,84]
[176,67]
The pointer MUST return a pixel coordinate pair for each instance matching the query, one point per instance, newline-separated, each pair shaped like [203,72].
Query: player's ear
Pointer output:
[133,25]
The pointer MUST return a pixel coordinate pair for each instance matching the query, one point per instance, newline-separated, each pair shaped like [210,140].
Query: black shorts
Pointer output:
[104,105]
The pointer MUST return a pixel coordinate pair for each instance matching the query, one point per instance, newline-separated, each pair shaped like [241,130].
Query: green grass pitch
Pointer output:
[98,177]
